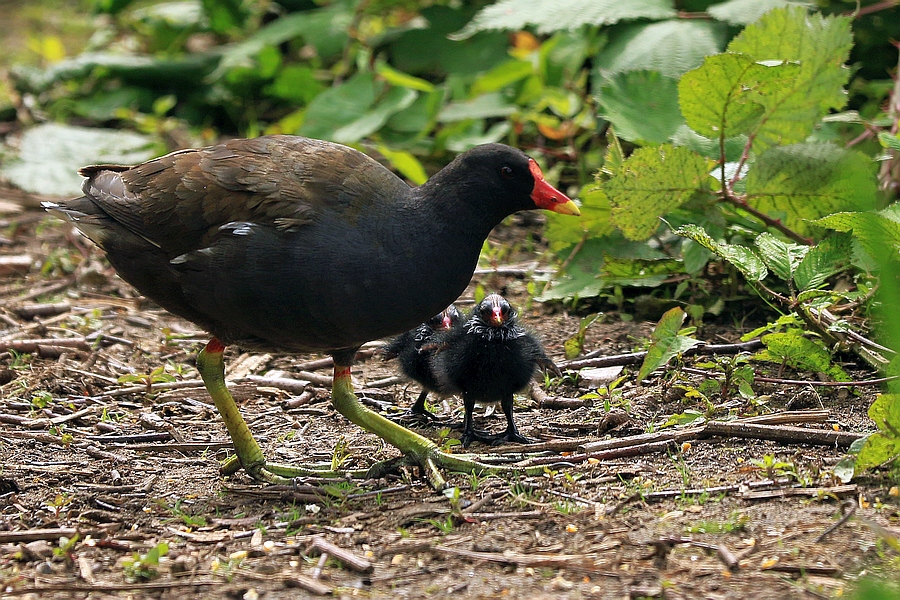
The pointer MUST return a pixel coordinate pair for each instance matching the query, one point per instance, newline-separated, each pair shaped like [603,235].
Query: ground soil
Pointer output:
[87,453]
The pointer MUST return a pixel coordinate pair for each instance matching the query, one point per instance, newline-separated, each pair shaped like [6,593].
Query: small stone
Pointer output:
[44,568]
[39,549]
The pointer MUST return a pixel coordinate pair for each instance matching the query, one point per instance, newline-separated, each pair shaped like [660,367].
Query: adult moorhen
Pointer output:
[283,243]
[488,358]
[413,350]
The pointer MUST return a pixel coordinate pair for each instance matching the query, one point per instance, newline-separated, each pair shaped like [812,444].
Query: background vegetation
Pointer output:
[730,157]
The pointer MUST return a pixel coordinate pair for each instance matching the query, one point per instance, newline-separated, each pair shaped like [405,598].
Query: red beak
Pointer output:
[548,197]
[496,316]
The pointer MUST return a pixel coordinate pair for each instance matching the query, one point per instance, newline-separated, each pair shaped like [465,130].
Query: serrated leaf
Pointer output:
[877,450]
[669,47]
[594,222]
[743,259]
[710,148]
[808,180]
[665,342]
[818,46]
[743,12]
[828,257]
[653,182]
[641,105]
[715,97]
[877,234]
[798,352]
[889,140]
[885,412]
[782,258]
[556,15]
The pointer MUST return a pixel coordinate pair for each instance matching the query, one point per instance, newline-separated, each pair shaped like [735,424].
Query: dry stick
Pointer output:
[561,561]
[40,590]
[310,585]
[849,509]
[782,433]
[31,535]
[724,554]
[595,358]
[813,492]
[346,557]
[31,346]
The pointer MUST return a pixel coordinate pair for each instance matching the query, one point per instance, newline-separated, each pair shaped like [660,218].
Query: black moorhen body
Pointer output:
[487,358]
[284,243]
[413,350]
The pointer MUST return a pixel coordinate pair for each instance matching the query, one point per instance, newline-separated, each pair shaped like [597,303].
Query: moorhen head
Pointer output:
[284,243]
[413,350]
[488,358]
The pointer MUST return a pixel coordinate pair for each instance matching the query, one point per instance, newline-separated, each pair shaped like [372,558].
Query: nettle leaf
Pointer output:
[557,15]
[782,258]
[878,234]
[594,222]
[889,140]
[710,148]
[878,449]
[814,49]
[806,181]
[743,259]
[665,343]
[828,257]
[651,183]
[744,12]
[715,97]
[885,412]
[801,353]
[669,47]
[641,105]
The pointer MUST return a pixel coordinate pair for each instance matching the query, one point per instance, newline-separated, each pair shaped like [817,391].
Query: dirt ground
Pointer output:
[110,487]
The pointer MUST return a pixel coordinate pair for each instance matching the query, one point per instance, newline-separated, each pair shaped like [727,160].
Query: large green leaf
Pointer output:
[652,182]
[794,350]
[395,100]
[715,97]
[665,343]
[743,12]
[481,107]
[594,221]
[877,233]
[47,157]
[710,148]
[339,106]
[555,15]
[669,47]
[828,257]
[884,445]
[818,47]
[782,258]
[743,259]
[641,105]
[806,181]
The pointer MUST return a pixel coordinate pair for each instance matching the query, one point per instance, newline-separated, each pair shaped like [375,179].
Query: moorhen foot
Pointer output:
[289,244]
[487,358]
[413,350]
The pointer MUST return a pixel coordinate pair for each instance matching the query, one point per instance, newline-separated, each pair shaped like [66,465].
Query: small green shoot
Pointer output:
[143,567]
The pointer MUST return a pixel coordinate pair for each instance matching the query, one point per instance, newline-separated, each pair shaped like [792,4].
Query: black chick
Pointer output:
[414,350]
[487,358]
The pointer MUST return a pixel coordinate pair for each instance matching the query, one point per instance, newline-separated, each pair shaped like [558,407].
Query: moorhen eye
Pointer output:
[506,172]
[285,243]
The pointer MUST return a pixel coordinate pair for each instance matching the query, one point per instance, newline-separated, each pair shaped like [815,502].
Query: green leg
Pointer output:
[211,364]
[416,449]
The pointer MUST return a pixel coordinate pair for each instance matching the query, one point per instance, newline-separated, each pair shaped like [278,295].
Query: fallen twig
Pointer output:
[346,557]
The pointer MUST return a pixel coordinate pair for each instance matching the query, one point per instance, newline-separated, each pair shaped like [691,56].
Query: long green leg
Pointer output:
[211,364]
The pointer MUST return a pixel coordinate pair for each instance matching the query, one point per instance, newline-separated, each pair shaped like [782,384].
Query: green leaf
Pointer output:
[743,259]
[878,234]
[481,107]
[782,258]
[889,140]
[339,106]
[556,15]
[810,50]
[394,101]
[806,181]
[594,221]
[878,449]
[801,353]
[665,343]
[885,412]
[710,148]
[47,157]
[574,346]
[669,47]
[408,165]
[651,183]
[501,76]
[715,97]
[641,105]
[830,256]
[401,79]
[744,12]
[295,83]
